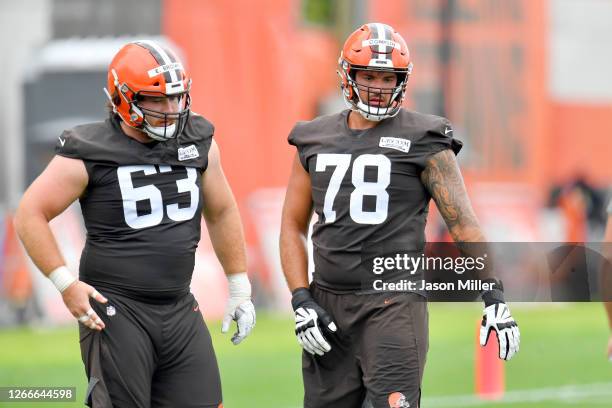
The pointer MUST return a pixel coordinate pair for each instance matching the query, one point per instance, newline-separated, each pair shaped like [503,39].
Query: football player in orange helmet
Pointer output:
[148,89]
[374,51]
[144,179]
[369,174]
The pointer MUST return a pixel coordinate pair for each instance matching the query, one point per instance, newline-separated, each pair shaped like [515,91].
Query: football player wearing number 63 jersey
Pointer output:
[142,178]
[369,173]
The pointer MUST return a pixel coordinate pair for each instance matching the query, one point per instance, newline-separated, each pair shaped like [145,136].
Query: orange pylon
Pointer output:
[489,371]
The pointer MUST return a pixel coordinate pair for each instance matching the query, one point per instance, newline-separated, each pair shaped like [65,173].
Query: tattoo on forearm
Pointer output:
[442,178]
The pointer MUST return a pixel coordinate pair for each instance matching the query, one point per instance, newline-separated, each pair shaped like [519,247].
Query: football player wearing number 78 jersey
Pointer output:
[369,173]
[142,178]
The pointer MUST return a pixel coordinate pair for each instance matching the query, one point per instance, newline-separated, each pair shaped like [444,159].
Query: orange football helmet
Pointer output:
[145,68]
[374,47]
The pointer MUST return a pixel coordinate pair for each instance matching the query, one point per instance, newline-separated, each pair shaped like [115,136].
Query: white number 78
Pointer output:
[363,188]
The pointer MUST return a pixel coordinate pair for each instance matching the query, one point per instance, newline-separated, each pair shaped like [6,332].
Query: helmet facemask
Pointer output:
[138,114]
[352,90]
[173,123]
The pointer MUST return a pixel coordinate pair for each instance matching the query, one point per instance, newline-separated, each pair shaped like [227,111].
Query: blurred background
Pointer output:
[526,84]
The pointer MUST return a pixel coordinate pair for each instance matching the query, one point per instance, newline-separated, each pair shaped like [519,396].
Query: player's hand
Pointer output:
[239,307]
[76,298]
[309,319]
[497,317]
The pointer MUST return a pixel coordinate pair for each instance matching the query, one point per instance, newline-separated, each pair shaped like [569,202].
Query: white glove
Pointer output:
[239,307]
[309,333]
[309,319]
[497,318]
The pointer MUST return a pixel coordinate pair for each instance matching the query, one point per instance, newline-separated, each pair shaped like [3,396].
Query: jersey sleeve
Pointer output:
[68,145]
[295,138]
[71,145]
[88,142]
[438,136]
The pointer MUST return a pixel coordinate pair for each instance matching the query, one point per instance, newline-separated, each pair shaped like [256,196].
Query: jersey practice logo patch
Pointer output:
[396,143]
[188,152]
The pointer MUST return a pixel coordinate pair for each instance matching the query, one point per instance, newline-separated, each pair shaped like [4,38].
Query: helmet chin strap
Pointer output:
[160,133]
[372,113]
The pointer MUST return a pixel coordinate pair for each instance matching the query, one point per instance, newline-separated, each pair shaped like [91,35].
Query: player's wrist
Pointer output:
[495,294]
[299,296]
[62,278]
[239,285]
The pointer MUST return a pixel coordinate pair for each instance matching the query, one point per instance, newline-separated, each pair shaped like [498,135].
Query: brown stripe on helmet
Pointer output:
[388,32]
[173,58]
[374,35]
[379,31]
[158,57]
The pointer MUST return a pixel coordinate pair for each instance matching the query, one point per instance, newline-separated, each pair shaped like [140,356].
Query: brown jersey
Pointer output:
[141,207]
[366,188]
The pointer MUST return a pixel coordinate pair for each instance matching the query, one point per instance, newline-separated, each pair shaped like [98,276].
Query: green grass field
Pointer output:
[561,362]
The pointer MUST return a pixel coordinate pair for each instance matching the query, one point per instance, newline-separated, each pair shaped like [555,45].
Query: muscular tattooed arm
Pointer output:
[443,180]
